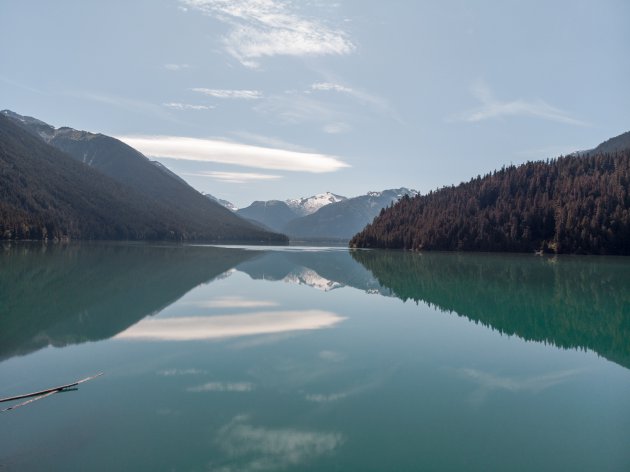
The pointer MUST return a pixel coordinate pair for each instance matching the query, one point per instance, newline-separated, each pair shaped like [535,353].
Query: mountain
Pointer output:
[618,143]
[273,214]
[575,204]
[307,205]
[224,203]
[343,219]
[91,186]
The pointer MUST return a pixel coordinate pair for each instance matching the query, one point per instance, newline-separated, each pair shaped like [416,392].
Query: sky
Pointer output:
[275,99]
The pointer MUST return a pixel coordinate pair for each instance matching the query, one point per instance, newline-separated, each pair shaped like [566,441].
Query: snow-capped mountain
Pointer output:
[341,220]
[308,205]
[309,277]
[220,201]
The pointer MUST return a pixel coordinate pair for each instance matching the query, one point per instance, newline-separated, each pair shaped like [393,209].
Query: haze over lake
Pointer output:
[301,358]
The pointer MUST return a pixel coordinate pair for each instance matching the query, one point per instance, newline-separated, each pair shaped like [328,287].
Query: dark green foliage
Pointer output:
[577,205]
[565,301]
[46,194]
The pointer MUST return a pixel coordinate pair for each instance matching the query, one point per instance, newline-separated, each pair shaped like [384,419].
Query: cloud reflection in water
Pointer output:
[254,448]
[227,326]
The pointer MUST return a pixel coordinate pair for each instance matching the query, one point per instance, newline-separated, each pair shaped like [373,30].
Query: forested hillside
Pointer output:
[341,220]
[46,194]
[574,204]
[187,212]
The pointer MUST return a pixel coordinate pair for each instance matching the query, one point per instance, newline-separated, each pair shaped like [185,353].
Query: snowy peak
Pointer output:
[310,278]
[225,203]
[307,205]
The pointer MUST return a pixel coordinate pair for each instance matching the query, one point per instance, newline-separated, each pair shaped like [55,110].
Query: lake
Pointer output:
[289,358]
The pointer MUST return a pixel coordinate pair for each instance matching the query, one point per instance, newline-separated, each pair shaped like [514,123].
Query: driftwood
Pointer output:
[44,393]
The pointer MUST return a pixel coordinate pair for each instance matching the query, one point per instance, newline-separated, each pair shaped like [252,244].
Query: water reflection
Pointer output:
[571,302]
[59,295]
[255,448]
[228,326]
[488,382]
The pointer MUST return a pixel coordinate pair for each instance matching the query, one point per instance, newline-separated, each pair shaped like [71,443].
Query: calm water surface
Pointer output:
[281,359]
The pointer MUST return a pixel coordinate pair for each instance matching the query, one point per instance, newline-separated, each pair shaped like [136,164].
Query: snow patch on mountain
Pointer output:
[307,205]
[220,201]
[312,279]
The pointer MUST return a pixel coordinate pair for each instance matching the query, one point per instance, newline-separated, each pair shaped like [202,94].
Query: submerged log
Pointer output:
[47,392]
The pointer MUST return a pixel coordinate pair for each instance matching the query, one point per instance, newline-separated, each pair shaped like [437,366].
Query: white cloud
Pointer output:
[186,106]
[234,177]
[178,372]
[176,67]
[224,93]
[360,95]
[493,108]
[337,128]
[258,449]
[225,152]
[268,141]
[265,28]
[229,326]
[325,398]
[327,86]
[223,387]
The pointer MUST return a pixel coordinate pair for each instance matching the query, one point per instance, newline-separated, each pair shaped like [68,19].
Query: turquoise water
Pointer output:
[273,359]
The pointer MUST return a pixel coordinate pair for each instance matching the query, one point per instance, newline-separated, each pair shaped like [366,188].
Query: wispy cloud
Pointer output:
[493,108]
[336,128]
[186,106]
[293,109]
[129,104]
[257,449]
[326,398]
[224,93]
[268,141]
[359,95]
[234,177]
[331,356]
[327,86]
[20,85]
[488,382]
[178,372]
[176,67]
[264,28]
[239,387]
[225,152]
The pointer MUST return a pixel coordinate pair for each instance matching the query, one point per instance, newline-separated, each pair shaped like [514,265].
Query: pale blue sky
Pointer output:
[264,99]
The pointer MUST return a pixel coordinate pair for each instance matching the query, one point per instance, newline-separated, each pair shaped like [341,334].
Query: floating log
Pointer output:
[50,390]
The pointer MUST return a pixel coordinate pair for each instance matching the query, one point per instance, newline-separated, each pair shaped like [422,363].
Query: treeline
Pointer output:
[575,204]
[568,302]
[45,194]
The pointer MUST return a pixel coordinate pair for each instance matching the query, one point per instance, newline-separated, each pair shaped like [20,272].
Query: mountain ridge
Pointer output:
[185,213]
[571,204]
[335,219]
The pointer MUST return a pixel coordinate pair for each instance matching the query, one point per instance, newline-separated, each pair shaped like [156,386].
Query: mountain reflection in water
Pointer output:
[570,302]
[59,295]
